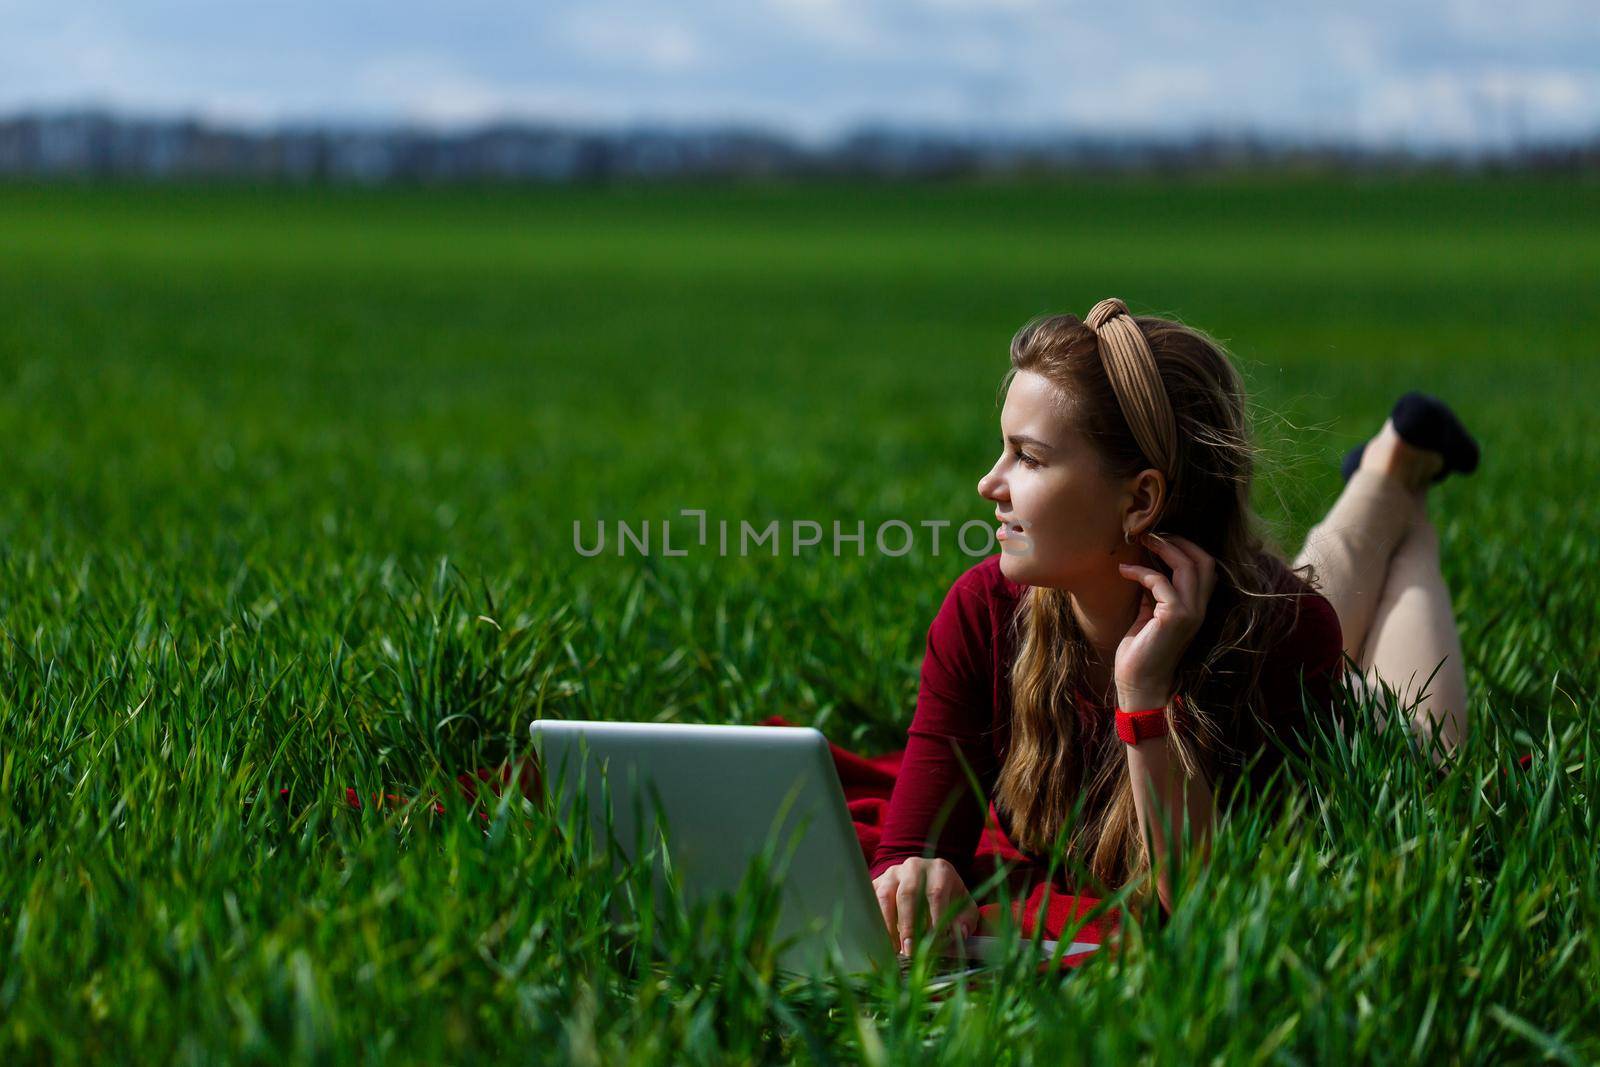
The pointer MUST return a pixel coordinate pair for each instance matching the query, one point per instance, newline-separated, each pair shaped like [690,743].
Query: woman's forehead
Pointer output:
[1036,407]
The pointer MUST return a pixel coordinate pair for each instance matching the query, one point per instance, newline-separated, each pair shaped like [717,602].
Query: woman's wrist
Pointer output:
[1143,698]
[1141,713]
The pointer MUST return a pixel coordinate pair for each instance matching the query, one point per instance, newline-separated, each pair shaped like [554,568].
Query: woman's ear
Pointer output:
[1146,496]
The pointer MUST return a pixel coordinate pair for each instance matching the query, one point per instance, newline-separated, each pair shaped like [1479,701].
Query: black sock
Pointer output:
[1427,422]
[1352,460]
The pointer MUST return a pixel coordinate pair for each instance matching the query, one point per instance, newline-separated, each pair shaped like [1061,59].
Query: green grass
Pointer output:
[288,499]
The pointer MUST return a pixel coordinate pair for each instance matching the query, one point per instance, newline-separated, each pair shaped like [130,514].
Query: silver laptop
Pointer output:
[726,794]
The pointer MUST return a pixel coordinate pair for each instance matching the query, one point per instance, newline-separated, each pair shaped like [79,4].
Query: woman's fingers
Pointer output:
[964,927]
[1185,572]
[945,891]
[1147,611]
[905,900]
[902,889]
[938,897]
[884,888]
[1160,588]
[954,903]
[948,902]
[1204,562]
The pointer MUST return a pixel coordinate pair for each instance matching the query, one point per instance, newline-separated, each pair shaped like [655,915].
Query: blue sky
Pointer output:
[1445,72]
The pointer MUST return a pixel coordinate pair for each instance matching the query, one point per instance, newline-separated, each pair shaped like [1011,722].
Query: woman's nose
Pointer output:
[989,486]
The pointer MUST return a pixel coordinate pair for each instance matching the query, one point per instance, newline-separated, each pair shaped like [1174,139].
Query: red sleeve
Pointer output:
[954,720]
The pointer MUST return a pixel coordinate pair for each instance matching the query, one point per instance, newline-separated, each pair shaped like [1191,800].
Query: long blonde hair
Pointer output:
[1057,776]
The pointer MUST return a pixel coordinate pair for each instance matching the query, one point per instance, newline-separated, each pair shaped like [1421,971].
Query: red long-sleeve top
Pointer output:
[964,711]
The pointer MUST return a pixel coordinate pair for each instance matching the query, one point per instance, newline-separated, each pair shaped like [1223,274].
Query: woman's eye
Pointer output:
[1027,460]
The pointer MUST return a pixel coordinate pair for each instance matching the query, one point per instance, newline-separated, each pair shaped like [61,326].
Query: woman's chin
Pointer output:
[1014,561]
[1019,564]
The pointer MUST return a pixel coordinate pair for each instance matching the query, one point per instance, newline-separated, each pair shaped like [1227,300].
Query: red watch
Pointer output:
[1136,726]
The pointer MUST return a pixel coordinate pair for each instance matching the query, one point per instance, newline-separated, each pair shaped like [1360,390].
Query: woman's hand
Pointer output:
[902,889]
[1170,614]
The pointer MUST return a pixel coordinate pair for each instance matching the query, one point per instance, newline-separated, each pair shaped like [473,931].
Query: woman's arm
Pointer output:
[1170,614]
[932,793]
[1162,794]
[950,739]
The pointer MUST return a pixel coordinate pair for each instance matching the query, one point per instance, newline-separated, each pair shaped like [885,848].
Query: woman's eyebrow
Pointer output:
[1024,439]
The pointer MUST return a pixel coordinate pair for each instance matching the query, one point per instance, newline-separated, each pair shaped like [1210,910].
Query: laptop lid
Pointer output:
[726,793]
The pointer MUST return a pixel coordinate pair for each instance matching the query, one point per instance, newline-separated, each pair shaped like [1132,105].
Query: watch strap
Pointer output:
[1136,726]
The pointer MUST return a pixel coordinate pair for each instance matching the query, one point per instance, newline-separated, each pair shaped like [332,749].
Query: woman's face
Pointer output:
[1061,519]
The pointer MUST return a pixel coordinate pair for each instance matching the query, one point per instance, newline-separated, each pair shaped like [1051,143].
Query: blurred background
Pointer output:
[567,91]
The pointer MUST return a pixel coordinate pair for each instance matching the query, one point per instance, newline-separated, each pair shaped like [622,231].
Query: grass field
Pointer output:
[288,500]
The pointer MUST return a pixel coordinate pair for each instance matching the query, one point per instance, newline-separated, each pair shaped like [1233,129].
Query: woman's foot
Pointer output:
[1421,442]
[1392,455]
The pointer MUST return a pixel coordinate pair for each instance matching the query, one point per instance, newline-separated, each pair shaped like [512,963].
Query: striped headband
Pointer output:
[1131,367]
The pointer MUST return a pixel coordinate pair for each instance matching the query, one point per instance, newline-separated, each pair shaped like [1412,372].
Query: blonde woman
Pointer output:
[1120,664]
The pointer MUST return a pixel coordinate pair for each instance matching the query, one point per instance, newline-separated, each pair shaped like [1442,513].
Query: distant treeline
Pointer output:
[98,144]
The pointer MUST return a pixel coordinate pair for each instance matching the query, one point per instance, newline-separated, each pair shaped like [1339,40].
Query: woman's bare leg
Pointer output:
[1376,556]
[1352,545]
[1414,644]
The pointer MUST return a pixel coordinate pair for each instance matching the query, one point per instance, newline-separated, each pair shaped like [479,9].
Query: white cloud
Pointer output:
[623,39]
[1486,19]
[1489,107]
[841,25]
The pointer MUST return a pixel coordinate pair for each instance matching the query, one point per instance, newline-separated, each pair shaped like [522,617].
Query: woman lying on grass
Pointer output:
[1134,643]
